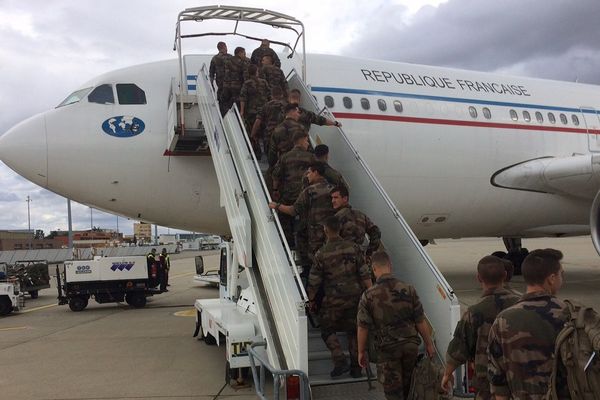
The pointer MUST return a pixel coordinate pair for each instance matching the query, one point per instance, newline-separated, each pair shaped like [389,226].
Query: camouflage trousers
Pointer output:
[230,95]
[249,119]
[333,320]
[395,374]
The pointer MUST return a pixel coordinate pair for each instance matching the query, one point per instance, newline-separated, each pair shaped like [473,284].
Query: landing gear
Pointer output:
[515,253]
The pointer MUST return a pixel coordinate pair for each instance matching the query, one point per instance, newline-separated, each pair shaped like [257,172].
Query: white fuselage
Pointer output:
[433,156]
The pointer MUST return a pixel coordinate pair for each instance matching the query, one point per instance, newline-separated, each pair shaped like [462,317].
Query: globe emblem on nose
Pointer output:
[123,126]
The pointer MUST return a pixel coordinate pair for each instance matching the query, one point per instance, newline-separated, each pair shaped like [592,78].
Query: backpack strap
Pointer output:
[560,339]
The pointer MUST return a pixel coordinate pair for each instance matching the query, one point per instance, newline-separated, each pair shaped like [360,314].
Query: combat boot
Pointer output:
[339,370]
[356,372]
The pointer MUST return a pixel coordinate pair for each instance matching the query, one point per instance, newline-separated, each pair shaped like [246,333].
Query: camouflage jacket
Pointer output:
[260,52]
[255,93]
[354,226]
[272,114]
[236,71]
[332,176]
[281,139]
[340,267]
[275,77]
[288,172]
[314,206]
[308,117]
[217,68]
[470,340]
[390,310]
[521,347]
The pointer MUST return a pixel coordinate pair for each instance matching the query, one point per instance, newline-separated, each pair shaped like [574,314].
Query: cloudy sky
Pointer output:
[48,48]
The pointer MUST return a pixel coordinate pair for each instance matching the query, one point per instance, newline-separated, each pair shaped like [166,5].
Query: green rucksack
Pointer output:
[578,348]
[426,380]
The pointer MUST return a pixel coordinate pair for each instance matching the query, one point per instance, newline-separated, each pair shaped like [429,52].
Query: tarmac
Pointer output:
[111,351]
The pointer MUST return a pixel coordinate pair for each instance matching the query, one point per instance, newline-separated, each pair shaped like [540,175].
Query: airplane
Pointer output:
[461,153]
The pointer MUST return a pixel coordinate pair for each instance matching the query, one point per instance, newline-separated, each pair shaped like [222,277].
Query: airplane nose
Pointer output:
[24,149]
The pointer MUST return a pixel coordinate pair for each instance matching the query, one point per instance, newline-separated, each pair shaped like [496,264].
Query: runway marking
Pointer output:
[14,328]
[186,313]
[38,308]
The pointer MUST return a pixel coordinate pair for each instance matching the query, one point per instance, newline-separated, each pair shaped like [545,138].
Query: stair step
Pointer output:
[354,389]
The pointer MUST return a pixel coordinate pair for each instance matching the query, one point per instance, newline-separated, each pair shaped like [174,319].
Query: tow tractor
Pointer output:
[11,297]
[107,280]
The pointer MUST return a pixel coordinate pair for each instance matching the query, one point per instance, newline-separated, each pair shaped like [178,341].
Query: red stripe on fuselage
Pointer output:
[479,124]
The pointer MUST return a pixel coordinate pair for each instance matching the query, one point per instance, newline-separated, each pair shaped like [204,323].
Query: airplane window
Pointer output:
[347,102]
[130,93]
[103,94]
[473,112]
[398,105]
[513,115]
[539,117]
[487,113]
[551,118]
[563,119]
[365,103]
[526,116]
[329,101]
[74,97]
[382,104]
[575,119]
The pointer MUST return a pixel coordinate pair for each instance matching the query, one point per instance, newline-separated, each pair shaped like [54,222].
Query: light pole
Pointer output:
[91,219]
[29,219]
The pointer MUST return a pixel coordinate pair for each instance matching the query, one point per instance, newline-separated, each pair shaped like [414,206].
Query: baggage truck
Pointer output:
[11,297]
[106,280]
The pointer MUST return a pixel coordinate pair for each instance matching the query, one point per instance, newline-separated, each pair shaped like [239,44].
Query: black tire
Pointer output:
[78,303]
[499,254]
[5,305]
[210,339]
[517,257]
[34,294]
[136,299]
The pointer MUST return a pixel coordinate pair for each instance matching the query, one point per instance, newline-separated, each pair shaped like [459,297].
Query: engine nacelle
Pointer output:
[595,222]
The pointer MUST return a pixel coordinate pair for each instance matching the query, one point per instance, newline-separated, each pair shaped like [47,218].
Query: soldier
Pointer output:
[355,224]
[272,74]
[262,51]
[471,334]
[281,139]
[217,68]
[314,203]
[271,115]
[331,174]
[253,96]
[236,72]
[340,269]
[522,338]
[287,177]
[392,312]
[308,117]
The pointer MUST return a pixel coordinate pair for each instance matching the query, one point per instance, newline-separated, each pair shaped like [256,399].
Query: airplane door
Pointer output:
[592,123]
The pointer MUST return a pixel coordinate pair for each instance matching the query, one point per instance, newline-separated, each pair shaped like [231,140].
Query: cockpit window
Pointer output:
[130,93]
[74,97]
[103,94]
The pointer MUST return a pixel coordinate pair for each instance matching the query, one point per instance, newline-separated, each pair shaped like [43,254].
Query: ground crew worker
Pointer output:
[254,95]
[165,261]
[273,74]
[308,117]
[271,115]
[392,312]
[341,271]
[470,340]
[236,72]
[355,224]
[262,51]
[216,70]
[281,139]
[287,178]
[152,264]
[522,338]
[314,204]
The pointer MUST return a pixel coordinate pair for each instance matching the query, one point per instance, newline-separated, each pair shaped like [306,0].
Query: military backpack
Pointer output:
[577,348]
[426,378]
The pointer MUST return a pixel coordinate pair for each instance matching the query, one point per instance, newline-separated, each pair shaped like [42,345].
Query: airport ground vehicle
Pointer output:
[107,280]
[32,275]
[11,297]
[208,265]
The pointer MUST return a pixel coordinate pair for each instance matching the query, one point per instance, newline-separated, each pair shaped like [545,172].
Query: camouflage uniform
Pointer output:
[260,52]
[340,269]
[470,340]
[255,93]
[314,202]
[521,348]
[236,72]
[217,71]
[271,115]
[281,139]
[289,171]
[390,310]
[274,75]
[308,117]
[355,225]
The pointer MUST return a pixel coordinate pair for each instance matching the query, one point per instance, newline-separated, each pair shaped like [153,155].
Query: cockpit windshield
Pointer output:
[74,97]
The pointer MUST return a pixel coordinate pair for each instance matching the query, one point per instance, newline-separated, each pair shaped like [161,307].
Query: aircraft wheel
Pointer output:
[78,303]
[499,254]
